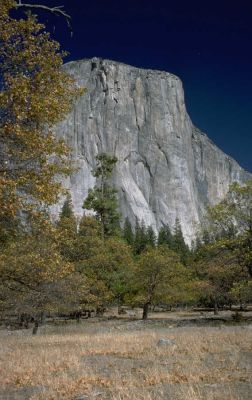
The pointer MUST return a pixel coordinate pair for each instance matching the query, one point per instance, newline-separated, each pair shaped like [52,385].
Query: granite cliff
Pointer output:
[167,167]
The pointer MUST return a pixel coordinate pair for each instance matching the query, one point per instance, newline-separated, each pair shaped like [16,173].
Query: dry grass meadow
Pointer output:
[121,359]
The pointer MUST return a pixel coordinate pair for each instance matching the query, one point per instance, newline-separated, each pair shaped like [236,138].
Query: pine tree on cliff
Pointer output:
[67,208]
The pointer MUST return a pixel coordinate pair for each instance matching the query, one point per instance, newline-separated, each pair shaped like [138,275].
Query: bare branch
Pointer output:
[21,282]
[58,10]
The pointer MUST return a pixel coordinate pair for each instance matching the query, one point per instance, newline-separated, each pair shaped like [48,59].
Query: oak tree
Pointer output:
[230,224]
[35,94]
[31,268]
[159,276]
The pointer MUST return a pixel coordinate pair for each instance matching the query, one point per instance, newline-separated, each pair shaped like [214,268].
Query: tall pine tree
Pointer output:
[128,233]
[165,236]
[151,238]
[102,198]
[140,242]
[67,226]
[178,243]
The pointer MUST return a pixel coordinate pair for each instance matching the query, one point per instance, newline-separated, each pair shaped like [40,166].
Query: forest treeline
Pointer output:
[71,266]
[68,266]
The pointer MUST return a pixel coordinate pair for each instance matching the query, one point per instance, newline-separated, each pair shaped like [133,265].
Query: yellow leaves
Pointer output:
[5,7]
[33,267]
[159,275]
[35,94]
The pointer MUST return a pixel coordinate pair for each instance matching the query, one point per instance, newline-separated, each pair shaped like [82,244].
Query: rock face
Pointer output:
[167,168]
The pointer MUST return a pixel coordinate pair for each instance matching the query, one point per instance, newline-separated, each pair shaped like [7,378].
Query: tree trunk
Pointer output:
[35,328]
[216,308]
[42,317]
[24,321]
[119,305]
[100,310]
[78,316]
[145,310]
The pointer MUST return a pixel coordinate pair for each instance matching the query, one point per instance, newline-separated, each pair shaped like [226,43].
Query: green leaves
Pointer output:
[230,224]
[102,199]
[160,277]
[224,263]
[105,165]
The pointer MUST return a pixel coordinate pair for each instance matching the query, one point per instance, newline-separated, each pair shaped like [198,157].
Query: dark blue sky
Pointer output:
[208,44]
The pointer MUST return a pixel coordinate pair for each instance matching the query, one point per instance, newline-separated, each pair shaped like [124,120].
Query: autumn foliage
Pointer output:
[35,94]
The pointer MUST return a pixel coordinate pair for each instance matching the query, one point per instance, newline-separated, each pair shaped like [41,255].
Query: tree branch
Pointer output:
[58,10]
[21,282]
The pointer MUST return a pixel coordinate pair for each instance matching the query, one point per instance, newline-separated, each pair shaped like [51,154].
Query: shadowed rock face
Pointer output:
[167,167]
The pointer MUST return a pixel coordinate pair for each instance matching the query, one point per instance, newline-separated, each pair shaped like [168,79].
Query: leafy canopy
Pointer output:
[35,94]
[230,224]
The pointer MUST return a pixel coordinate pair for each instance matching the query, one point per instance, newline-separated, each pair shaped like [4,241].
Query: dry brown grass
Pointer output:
[104,361]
